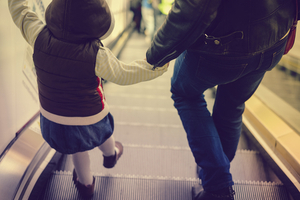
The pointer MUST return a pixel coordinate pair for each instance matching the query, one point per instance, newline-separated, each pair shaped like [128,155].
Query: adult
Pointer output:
[135,7]
[148,19]
[162,9]
[230,44]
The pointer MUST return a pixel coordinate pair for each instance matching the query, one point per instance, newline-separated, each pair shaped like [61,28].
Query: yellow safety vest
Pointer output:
[165,6]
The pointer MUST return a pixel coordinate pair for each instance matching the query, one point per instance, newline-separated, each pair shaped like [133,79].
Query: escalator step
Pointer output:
[166,161]
[60,186]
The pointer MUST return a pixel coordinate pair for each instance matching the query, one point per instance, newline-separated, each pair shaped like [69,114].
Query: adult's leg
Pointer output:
[229,107]
[229,102]
[187,93]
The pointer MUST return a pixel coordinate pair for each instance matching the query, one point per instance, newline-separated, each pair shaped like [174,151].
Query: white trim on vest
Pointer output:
[76,121]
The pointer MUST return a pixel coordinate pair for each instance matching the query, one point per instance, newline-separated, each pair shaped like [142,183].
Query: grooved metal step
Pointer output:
[176,162]
[61,187]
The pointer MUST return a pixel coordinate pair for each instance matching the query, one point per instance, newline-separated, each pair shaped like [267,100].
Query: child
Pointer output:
[70,61]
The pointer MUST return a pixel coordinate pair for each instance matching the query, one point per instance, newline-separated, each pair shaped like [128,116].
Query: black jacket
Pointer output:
[221,27]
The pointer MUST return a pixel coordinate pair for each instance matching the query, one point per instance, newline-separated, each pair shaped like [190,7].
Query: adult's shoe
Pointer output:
[225,194]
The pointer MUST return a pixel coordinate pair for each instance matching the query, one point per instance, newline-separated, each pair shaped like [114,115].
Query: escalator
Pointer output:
[157,163]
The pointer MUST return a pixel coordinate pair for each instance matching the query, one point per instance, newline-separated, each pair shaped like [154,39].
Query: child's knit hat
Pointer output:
[79,20]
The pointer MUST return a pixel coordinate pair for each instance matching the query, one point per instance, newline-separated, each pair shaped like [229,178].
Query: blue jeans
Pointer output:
[213,138]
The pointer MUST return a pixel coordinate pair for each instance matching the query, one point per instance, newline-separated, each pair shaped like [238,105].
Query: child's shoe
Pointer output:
[110,161]
[86,191]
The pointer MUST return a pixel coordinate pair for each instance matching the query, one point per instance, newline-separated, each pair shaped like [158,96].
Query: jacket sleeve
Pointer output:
[26,20]
[185,23]
[111,69]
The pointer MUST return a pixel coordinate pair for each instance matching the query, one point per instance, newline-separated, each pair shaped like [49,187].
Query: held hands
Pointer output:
[164,66]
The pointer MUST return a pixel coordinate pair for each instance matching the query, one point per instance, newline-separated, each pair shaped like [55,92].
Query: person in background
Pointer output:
[135,7]
[161,10]
[70,63]
[148,19]
[165,6]
[229,44]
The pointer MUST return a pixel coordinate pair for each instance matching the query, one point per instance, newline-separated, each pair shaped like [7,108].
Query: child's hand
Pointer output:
[164,66]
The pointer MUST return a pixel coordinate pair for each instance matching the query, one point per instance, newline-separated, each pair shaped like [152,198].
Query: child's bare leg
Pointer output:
[112,151]
[108,147]
[81,161]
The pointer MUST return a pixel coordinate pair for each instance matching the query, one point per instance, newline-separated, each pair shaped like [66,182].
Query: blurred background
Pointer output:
[271,121]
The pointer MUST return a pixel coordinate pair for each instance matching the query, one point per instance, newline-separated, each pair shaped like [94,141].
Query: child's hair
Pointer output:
[79,20]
